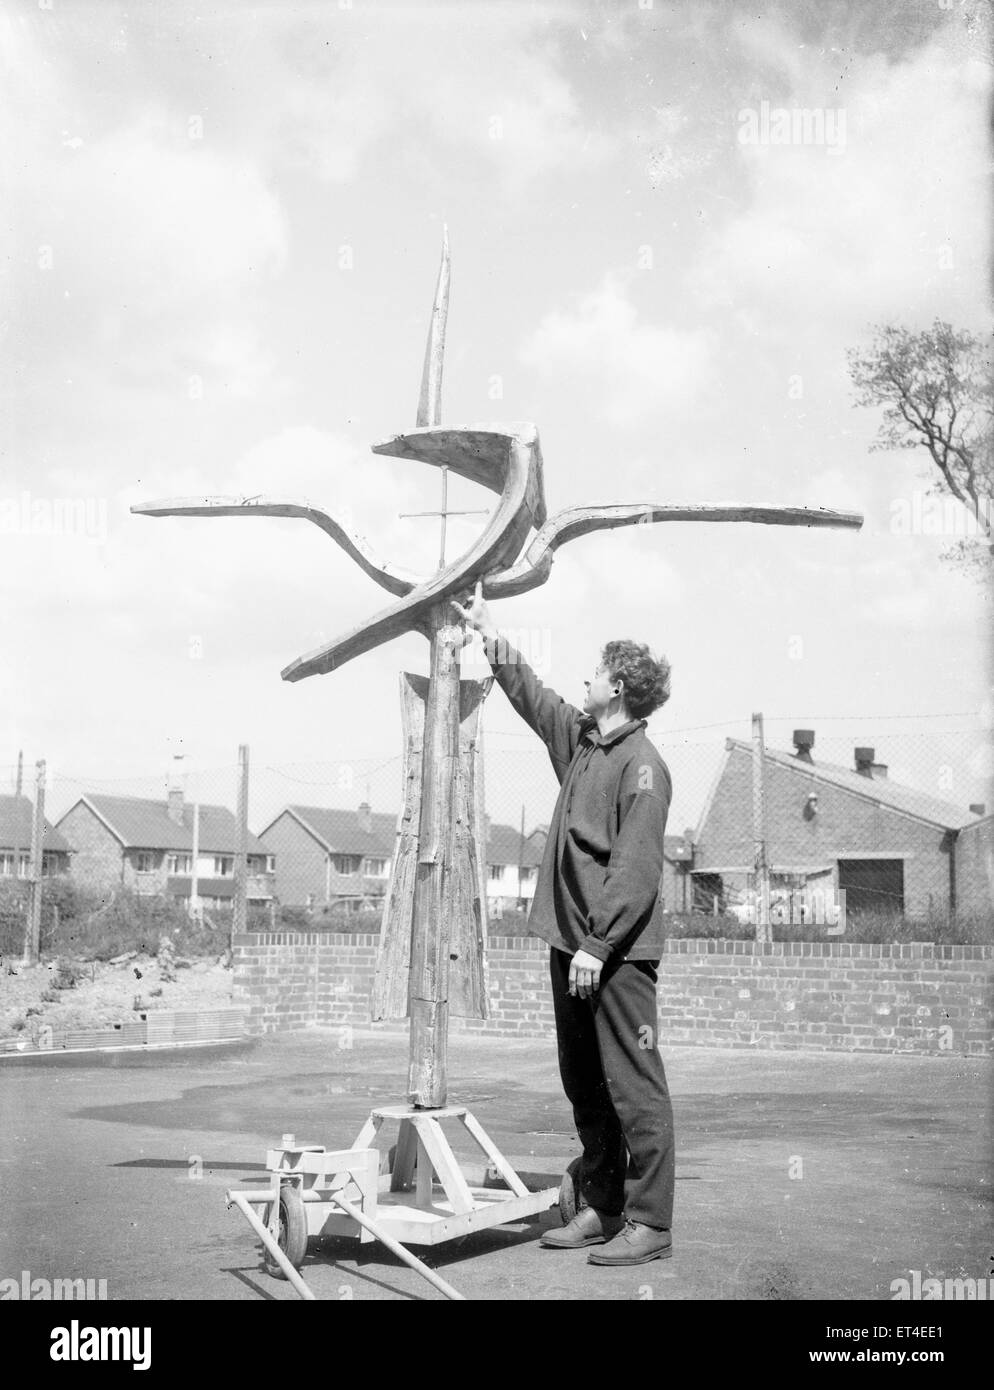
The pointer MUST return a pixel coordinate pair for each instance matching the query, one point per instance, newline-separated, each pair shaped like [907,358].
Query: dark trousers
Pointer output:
[613,1076]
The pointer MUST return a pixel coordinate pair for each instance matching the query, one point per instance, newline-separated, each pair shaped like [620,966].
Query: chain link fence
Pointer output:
[895,824]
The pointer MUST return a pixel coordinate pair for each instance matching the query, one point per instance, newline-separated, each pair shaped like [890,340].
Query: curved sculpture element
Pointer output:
[534,566]
[505,459]
[390,577]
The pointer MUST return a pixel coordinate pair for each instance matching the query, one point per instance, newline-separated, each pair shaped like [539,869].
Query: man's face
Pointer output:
[601,690]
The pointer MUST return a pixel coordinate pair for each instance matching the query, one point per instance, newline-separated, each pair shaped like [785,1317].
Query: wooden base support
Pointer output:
[425,1197]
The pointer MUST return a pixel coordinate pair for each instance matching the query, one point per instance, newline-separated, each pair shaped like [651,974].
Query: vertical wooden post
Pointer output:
[432,927]
[239,909]
[482,837]
[18,787]
[33,942]
[760,862]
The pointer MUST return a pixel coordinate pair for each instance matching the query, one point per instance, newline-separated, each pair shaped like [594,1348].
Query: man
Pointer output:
[597,904]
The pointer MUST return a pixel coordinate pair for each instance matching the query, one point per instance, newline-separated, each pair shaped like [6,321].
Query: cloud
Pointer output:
[630,371]
[887,223]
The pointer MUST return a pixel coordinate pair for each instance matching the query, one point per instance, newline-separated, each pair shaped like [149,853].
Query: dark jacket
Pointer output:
[598,887]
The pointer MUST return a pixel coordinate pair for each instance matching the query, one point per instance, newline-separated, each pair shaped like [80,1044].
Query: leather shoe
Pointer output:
[588,1227]
[634,1244]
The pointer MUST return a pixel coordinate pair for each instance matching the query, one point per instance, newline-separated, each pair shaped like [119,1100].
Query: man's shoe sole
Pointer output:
[640,1260]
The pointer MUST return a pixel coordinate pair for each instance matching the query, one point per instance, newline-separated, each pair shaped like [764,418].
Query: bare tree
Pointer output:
[936,390]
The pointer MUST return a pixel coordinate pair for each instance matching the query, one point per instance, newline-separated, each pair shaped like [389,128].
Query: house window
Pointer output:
[376,868]
[346,863]
[145,861]
[270,863]
[526,875]
[179,863]
[495,872]
[224,865]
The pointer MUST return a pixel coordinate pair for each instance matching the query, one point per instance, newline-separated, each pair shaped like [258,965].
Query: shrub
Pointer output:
[68,974]
[293,917]
[875,928]
[13,916]
[105,927]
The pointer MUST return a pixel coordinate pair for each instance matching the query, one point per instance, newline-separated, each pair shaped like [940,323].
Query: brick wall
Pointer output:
[834,996]
[96,860]
[975,867]
[301,863]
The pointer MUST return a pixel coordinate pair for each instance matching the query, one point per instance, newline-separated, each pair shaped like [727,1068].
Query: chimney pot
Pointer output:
[365,816]
[804,741]
[174,789]
[864,761]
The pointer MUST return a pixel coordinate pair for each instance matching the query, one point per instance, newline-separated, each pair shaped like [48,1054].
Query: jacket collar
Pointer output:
[590,731]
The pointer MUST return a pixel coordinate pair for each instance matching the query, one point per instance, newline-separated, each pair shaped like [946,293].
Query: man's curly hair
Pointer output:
[647,680]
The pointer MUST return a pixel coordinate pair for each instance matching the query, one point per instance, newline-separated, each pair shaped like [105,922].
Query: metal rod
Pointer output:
[445,516]
[400,1250]
[271,1245]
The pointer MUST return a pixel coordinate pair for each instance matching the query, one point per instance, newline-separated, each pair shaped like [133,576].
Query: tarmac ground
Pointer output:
[799,1175]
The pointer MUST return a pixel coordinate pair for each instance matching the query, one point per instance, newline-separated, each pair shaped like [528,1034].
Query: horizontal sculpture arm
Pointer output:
[390,577]
[534,566]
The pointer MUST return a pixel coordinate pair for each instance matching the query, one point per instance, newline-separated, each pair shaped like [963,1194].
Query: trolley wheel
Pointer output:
[292,1236]
[570,1198]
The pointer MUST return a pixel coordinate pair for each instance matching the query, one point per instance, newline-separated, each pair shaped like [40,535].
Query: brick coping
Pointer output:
[682,946]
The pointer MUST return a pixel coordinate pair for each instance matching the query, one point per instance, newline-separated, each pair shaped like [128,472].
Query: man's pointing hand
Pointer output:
[477,615]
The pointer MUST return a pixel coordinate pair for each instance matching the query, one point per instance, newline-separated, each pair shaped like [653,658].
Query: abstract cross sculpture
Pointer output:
[432,952]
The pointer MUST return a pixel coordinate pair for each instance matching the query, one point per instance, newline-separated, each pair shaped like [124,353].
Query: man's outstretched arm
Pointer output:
[556,722]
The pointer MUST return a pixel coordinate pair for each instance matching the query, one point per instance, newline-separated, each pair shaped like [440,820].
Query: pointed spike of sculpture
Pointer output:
[430,403]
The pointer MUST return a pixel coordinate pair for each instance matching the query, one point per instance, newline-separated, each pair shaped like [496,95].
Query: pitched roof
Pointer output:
[881,790]
[340,832]
[16,815]
[504,847]
[144,823]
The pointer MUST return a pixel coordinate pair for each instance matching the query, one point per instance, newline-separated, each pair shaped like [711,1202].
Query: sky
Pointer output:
[220,238]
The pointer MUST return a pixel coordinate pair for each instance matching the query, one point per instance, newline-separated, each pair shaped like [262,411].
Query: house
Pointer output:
[892,848]
[148,846]
[328,857]
[16,817]
[512,865]
[331,858]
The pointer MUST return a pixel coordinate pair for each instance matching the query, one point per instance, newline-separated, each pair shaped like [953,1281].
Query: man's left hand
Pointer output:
[584,975]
